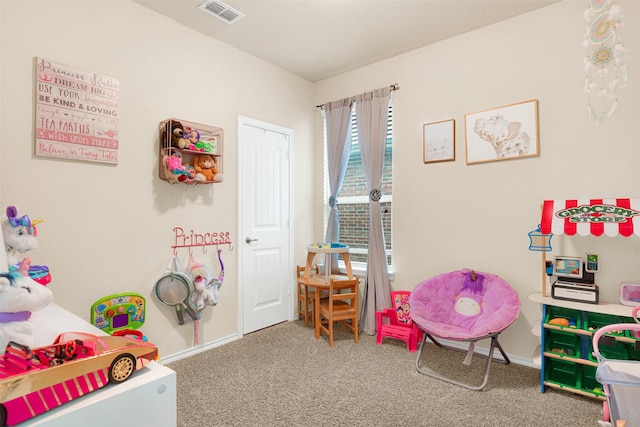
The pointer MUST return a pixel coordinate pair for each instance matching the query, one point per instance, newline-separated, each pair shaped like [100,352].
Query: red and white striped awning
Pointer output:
[594,217]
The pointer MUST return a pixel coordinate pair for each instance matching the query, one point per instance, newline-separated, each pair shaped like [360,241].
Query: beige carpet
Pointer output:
[283,376]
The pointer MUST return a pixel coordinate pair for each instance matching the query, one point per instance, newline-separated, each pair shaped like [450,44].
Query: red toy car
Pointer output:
[33,381]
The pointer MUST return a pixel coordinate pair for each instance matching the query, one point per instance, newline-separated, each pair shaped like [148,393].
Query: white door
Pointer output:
[265,266]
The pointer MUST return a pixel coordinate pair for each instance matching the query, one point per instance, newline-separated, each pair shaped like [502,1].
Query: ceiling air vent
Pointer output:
[221,11]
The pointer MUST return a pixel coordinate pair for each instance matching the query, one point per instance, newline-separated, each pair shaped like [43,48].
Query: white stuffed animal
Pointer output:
[206,287]
[19,296]
[205,292]
[19,235]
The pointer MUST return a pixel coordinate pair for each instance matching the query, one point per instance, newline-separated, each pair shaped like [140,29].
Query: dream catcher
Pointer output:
[604,60]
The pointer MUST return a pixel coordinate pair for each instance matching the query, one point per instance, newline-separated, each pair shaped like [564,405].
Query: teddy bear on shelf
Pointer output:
[206,169]
[179,138]
[19,296]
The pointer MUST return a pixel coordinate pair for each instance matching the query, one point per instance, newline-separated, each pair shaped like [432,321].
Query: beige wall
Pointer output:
[108,229]
[452,215]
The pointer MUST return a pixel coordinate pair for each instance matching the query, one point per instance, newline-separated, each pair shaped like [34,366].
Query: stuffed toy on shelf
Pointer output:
[207,168]
[179,138]
[175,170]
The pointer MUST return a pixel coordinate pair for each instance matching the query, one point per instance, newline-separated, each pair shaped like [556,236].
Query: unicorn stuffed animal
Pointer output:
[19,235]
[206,287]
[19,296]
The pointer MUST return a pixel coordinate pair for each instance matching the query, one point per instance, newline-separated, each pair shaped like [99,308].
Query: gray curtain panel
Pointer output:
[371,120]
[338,120]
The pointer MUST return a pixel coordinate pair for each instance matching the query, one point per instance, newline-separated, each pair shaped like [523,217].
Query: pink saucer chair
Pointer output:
[399,324]
[464,306]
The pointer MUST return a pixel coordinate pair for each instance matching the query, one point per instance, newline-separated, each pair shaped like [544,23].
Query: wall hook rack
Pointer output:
[203,240]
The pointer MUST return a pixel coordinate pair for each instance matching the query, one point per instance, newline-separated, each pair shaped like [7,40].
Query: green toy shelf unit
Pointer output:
[568,326]
[567,361]
[190,153]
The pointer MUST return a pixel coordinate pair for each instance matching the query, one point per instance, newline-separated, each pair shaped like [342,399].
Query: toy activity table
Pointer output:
[321,282]
[328,249]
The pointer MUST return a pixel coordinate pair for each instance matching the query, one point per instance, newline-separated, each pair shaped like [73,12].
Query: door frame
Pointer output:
[240,165]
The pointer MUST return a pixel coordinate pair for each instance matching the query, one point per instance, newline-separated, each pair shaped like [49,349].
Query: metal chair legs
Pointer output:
[490,357]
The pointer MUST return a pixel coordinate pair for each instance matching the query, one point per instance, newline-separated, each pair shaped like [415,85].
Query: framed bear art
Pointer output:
[502,133]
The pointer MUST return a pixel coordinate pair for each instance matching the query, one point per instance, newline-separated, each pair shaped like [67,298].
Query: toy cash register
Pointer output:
[575,282]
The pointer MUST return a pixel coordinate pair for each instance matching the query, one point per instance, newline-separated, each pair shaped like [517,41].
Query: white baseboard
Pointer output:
[518,360]
[199,349]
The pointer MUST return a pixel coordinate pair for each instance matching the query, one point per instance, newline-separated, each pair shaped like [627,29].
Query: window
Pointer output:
[353,200]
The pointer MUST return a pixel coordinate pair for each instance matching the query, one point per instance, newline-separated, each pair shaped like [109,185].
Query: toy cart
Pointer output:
[620,378]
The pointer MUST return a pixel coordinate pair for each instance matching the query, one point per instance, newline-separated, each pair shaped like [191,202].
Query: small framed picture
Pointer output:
[502,133]
[439,141]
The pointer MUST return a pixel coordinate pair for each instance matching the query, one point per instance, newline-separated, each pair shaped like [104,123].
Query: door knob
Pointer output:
[249,240]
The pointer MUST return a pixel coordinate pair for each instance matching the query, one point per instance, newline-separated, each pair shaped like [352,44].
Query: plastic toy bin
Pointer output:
[633,334]
[571,315]
[588,380]
[562,373]
[565,344]
[595,321]
[611,350]
[634,350]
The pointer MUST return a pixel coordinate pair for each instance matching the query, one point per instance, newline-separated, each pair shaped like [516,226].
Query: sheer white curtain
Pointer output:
[338,122]
[372,109]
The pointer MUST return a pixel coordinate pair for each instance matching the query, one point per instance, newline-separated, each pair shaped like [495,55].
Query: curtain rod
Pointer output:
[393,87]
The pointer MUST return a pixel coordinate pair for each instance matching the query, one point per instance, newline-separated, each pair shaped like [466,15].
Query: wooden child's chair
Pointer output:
[399,326]
[340,306]
[306,296]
